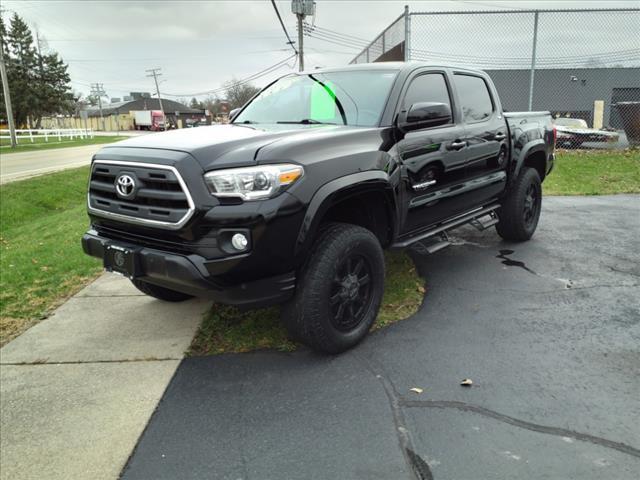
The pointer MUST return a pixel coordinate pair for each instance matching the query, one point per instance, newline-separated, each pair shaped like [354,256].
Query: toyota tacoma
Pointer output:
[294,201]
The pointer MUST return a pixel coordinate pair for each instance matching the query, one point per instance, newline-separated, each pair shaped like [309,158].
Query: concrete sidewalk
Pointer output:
[78,389]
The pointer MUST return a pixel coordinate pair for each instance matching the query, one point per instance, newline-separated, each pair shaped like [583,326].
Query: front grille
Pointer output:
[159,195]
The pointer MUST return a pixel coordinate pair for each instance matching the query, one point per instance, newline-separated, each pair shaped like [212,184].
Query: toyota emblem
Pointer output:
[118,257]
[125,186]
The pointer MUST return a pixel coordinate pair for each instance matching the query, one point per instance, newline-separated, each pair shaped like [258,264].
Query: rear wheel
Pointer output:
[521,207]
[160,293]
[339,290]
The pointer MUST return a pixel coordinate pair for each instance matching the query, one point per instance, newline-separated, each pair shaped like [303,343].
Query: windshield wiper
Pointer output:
[306,121]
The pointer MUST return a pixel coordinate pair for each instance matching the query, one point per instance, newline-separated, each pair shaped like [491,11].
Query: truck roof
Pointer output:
[398,66]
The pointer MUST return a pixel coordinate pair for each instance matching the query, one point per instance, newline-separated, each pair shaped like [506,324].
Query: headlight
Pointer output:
[253,183]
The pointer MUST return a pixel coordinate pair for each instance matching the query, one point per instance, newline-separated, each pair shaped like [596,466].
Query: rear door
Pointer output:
[433,159]
[486,136]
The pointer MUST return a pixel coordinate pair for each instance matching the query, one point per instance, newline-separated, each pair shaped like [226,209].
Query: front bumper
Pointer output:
[190,274]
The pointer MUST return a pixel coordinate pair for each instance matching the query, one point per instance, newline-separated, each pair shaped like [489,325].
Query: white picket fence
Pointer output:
[29,135]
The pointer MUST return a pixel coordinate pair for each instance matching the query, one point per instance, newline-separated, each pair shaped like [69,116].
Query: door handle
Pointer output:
[457,145]
[499,136]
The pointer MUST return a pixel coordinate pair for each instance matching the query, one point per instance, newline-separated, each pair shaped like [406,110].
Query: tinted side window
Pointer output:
[474,97]
[431,87]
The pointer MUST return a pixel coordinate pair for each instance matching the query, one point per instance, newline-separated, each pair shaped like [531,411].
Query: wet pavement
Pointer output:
[548,330]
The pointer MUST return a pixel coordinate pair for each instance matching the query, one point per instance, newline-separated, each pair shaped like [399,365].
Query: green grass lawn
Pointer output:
[41,261]
[594,172]
[226,329]
[25,145]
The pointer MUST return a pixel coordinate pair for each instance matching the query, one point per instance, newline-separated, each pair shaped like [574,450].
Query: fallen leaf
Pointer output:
[416,390]
[467,382]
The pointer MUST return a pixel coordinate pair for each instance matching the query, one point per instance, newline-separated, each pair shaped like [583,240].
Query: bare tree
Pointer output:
[239,93]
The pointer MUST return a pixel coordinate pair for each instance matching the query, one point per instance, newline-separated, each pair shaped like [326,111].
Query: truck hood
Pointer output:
[218,146]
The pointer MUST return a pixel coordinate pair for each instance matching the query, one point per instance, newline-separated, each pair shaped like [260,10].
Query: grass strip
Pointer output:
[41,261]
[594,172]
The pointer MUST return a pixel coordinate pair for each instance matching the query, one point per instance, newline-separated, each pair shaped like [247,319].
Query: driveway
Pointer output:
[77,389]
[548,330]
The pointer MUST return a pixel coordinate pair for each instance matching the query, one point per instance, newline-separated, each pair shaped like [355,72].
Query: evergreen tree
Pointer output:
[38,81]
[21,66]
[53,88]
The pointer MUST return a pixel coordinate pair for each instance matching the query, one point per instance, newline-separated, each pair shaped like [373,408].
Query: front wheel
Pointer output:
[520,210]
[339,290]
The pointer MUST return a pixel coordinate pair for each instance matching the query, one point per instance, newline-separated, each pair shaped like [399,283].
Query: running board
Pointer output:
[441,242]
[482,223]
[474,217]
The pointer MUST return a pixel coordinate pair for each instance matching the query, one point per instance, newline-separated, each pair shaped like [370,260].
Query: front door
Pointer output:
[433,159]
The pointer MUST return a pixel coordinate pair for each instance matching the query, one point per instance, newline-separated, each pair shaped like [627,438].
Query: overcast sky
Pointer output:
[201,44]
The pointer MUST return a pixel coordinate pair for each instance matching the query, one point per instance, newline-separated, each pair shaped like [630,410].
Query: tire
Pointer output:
[160,293]
[520,209]
[339,290]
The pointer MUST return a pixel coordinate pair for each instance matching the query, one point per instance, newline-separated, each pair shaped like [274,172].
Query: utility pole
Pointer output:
[300,43]
[154,73]
[98,90]
[302,8]
[7,98]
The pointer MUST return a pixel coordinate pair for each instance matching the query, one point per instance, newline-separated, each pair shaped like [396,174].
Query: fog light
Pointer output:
[239,241]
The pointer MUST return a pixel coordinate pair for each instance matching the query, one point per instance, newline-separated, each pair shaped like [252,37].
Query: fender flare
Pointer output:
[323,199]
[531,147]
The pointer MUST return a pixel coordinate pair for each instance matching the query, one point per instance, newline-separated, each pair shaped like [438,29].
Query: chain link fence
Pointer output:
[581,65]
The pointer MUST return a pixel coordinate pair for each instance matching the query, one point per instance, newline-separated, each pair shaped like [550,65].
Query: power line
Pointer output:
[311,28]
[337,42]
[346,42]
[243,81]
[275,7]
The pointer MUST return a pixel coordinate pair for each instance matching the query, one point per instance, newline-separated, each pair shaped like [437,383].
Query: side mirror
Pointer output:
[423,115]
[233,113]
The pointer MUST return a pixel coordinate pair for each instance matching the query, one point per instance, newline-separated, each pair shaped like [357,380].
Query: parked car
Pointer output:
[295,200]
[573,132]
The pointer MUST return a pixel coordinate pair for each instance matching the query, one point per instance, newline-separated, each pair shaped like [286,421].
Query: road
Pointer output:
[18,166]
[548,330]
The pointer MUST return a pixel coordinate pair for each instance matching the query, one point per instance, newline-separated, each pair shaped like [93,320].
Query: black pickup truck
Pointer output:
[295,200]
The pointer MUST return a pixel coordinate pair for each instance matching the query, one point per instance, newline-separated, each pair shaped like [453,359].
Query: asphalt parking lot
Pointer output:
[549,332]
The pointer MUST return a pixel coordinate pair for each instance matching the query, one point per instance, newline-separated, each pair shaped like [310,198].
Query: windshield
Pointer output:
[340,98]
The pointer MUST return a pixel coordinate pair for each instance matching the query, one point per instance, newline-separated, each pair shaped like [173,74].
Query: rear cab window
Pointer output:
[475,98]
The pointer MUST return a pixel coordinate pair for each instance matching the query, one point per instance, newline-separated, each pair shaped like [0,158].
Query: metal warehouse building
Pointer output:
[563,61]
[570,91]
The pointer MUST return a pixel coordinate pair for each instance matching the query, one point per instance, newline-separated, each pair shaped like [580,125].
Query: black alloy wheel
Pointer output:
[531,204]
[339,289]
[520,208]
[350,294]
